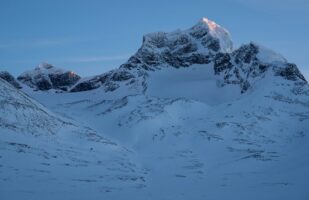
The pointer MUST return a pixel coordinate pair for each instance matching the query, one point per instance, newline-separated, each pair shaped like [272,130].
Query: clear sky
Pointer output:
[93,36]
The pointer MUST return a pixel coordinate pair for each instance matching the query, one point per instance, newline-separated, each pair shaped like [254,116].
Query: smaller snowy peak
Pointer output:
[255,52]
[9,78]
[46,76]
[46,68]
[250,62]
[44,65]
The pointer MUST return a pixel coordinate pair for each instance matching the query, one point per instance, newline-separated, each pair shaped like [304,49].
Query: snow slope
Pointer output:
[46,156]
[195,147]
[259,146]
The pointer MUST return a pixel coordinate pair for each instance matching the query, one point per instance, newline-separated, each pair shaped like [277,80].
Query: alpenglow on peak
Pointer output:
[211,24]
[217,32]
[221,33]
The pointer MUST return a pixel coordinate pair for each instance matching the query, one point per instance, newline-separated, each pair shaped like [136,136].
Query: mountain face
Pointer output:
[204,43]
[197,45]
[193,119]
[46,77]
[251,62]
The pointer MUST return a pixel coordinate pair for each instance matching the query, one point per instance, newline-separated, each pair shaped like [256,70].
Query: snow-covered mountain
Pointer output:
[45,77]
[200,119]
[206,43]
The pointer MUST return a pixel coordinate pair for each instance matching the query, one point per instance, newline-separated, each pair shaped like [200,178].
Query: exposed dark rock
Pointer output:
[222,62]
[84,86]
[246,53]
[122,76]
[197,58]
[244,86]
[211,43]
[43,84]
[182,39]
[198,31]
[263,67]
[240,66]
[108,80]
[9,78]
[46,77]
[178,49]
[111,86]
[65,79]
[290,72]
[157,39]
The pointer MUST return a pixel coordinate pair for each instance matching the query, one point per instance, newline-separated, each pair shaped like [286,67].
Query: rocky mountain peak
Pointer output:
[45,77]
[181,48]
[207,27]
[204,43]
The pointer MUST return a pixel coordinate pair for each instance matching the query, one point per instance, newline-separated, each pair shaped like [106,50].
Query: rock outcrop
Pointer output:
[46,77]
[10,79]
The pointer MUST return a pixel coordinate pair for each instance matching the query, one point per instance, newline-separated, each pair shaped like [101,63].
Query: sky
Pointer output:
[94,36]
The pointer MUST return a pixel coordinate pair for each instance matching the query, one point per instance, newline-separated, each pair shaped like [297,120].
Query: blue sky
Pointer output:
[93,36]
